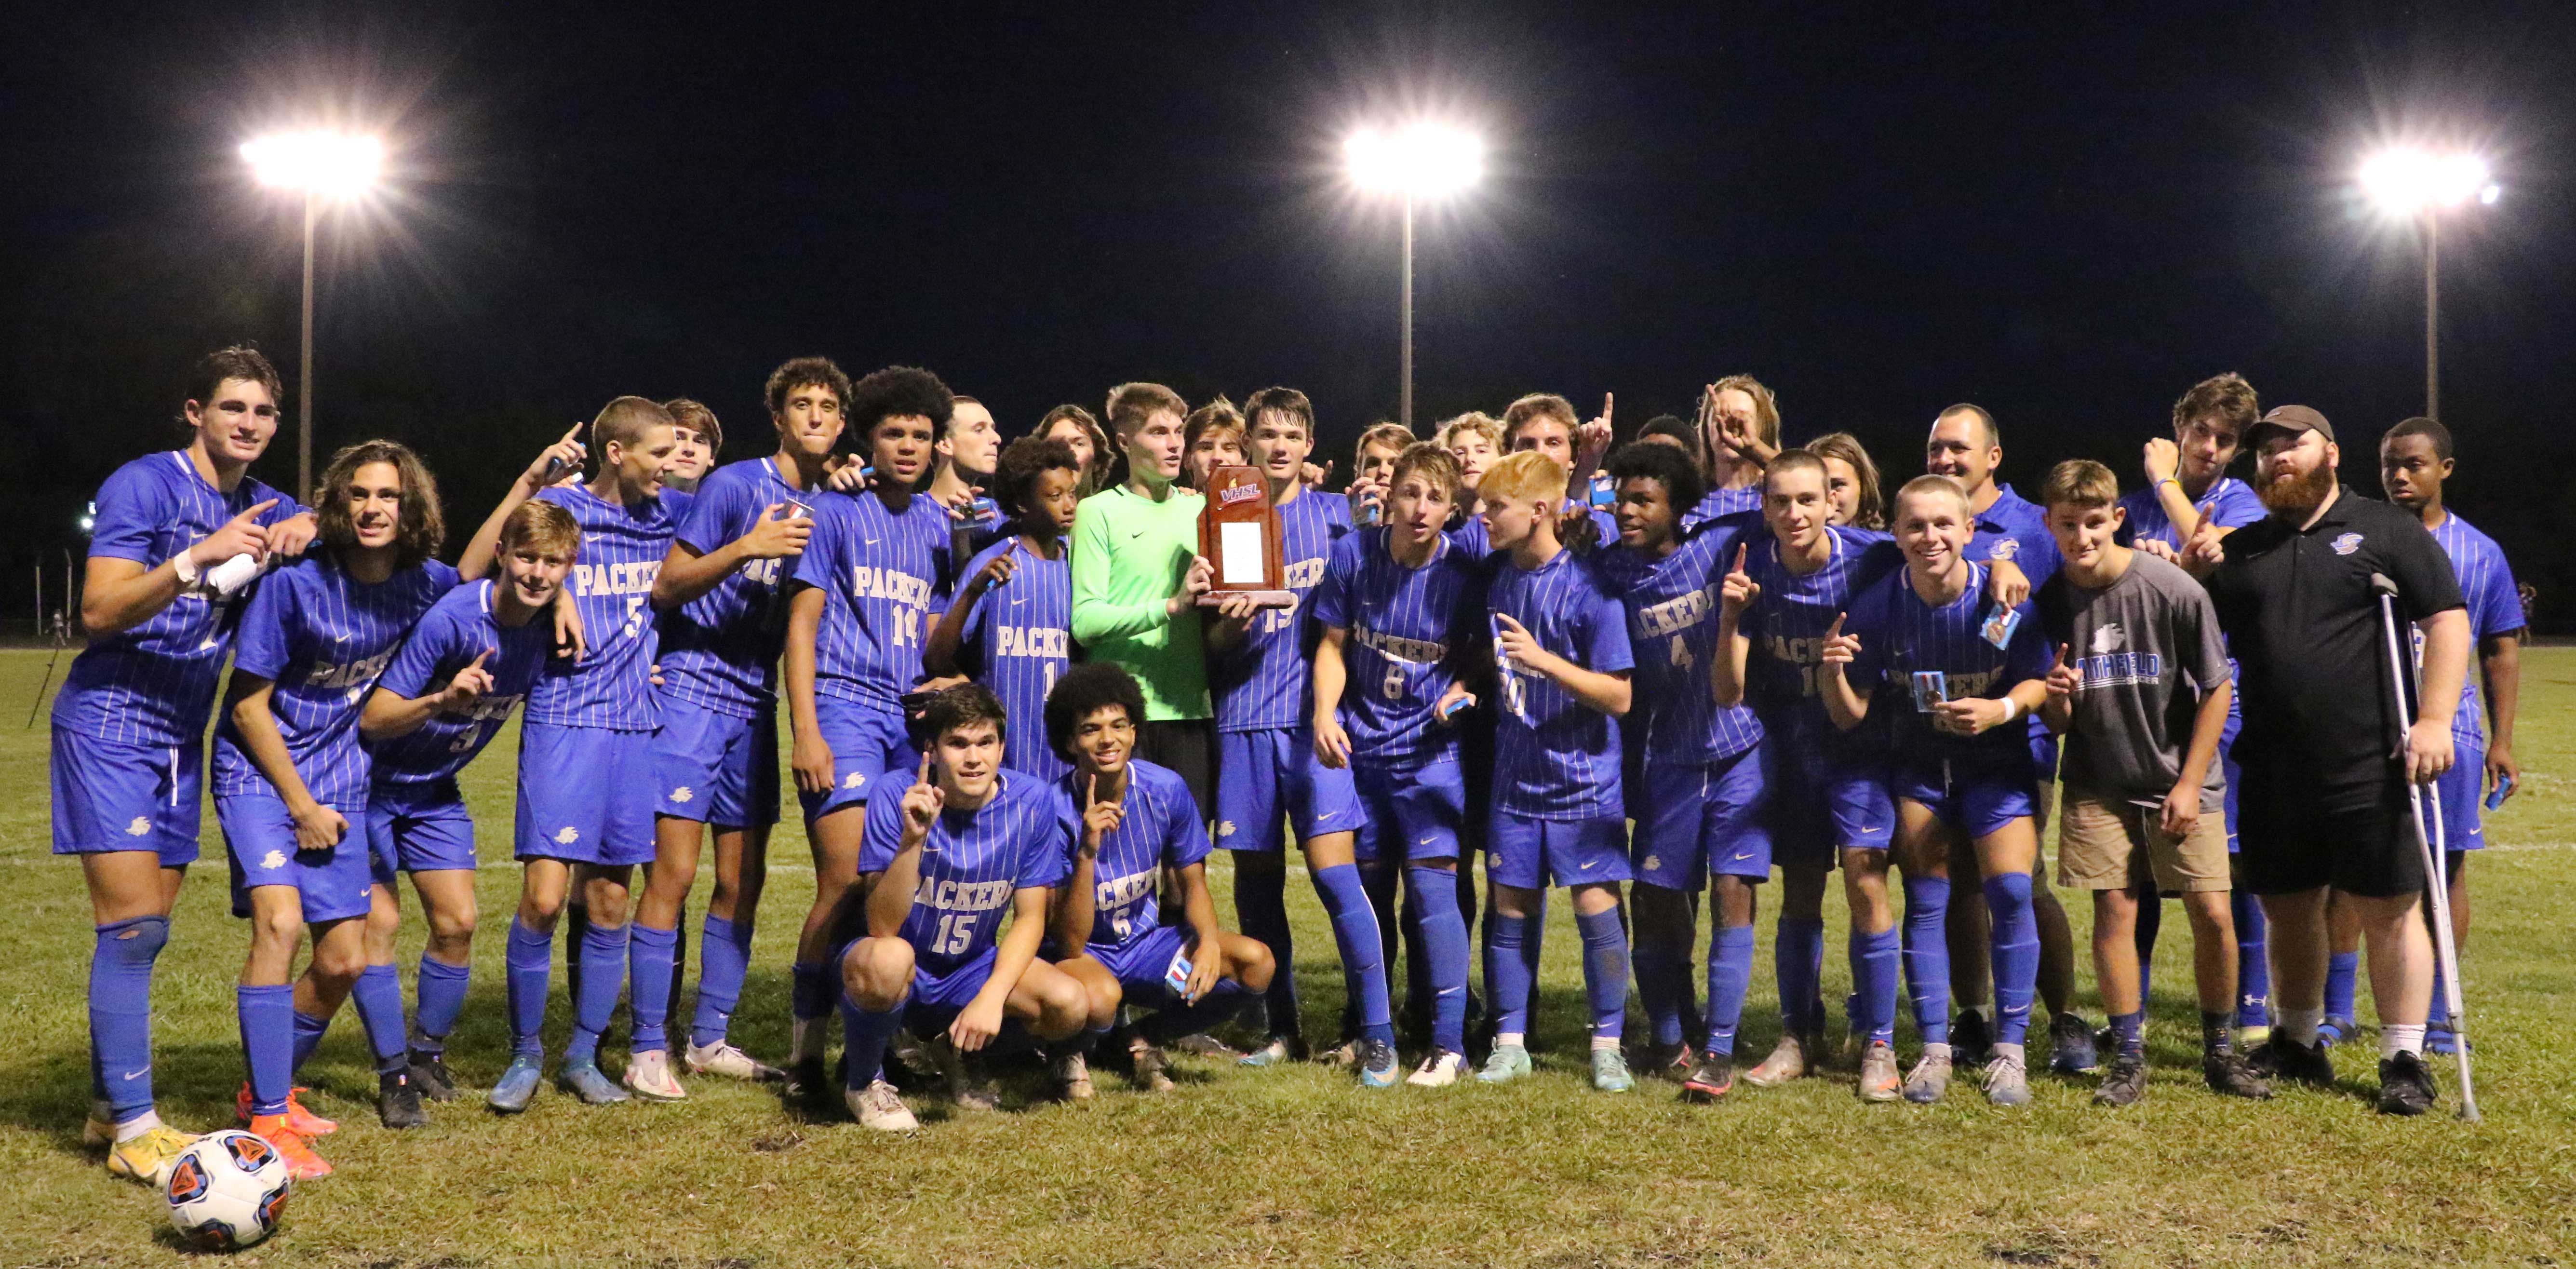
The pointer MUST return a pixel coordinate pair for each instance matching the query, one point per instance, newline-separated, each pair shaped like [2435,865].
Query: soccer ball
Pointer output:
[227,1190]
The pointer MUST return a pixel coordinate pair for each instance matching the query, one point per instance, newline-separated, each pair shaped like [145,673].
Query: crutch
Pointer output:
[2402,672]
[48,683]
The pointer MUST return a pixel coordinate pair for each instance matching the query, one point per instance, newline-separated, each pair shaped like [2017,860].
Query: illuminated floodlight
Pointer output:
[1423,160]
[325,163]
[2405,181]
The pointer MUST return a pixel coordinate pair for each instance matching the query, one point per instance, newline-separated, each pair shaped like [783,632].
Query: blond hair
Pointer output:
[1525,475]
[1932,485]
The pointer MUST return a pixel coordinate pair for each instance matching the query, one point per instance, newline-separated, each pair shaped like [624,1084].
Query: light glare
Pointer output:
[331,163]
[2406,180]
[1424,160]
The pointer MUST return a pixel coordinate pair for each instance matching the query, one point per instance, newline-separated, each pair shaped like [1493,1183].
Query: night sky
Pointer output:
[2065,213]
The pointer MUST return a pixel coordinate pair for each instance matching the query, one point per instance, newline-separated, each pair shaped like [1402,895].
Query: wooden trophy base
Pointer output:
[1260,598]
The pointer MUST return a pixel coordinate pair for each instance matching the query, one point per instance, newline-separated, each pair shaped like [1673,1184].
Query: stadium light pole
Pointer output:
[323,166]
[1418,163]
[2407,182]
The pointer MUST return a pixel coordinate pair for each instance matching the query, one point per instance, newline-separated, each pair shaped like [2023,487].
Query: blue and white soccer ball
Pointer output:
[227,1190]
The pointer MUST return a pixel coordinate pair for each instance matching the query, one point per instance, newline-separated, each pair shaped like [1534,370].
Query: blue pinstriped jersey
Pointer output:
[1900,636]
[323,638]
[155,684]
[886,576]
[1016,642]
[2495,608]
[1786,627]
[1265,680]
[2231,502]
[1556,758]
[457,628]
[1161,828]
[611,584]
[1724,502]
[720,650]
[1409,630]
[971,862]
[2014,528]
[1672,629]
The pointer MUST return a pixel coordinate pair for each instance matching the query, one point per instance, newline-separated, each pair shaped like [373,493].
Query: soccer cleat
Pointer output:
[2125,1084]
[725,1059]
[2405,1085]
[2008,1080]
[302,1122]
[2229,1074]
[398,1100]
[1789,1059]
[1506,1063]
[1345,1054]
[809,1087]
[1711,1079]
[1879,1081]
[1972,1041]
[1377,1064]
[1929,1079]
[301,1163]
[648,1073]
[2304,1063]
[2248,1039]
[908,1049]
[1072,1077]
[429,1074]
[148,1157]
[2331,1032]
[1148,1067]
[1201,1044]
[586,1081]
[2071,1047]
[965,1086]
[1274,1053]
[878,1106]
[1440,1070]
[1610,1071]
[518,1085]
[1668,1059]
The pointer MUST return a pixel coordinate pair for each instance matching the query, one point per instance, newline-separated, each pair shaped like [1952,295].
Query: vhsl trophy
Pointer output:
[1239,535]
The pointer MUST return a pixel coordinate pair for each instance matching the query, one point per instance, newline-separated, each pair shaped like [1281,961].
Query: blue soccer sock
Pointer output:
[1927,955]
[1443,932]
[2151,919]
[1874,966]
[1511,968]
[724,961]
[603,969]
[1363,960]
[2013,953]
[379,999]
[2253,961]
[268,1044]
[530,961]
[2343,979]
[1662,969]
[1261,904]
[309,1031]
[1798,951]
[441,1000]
[120,1012]
[864,1036]
[2129,1033]
[1605,972]
[1730,973]
[650,955]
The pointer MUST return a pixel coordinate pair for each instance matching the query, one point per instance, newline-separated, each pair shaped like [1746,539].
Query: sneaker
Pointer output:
[2125,1084]
[808,1087]
[1787,1062]
[398,1100]
[584,1080]
[148,1157]
[1277,1052]
[1440,1070]
[429,1074]
[301,1163]
[966,1085]
[517,1086]
[2228,1074]
[1201,1044]
[1506,1063]
[2405,1085]
[2331,1032]
[1929,1079]
[722,1058]
[1711,1078]
[1148,1068]
[1377,1064]
[1610,1071]
[908,1049]
[301,1122]
[2304,1063]
[2071,1047]
[2008,1079]
[1972,1041]
[1878,1079]
[648,1073]
[1345,1054]
[878,1106]
[1072,1077]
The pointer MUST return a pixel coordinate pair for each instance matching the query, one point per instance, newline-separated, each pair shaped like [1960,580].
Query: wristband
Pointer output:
[2175,481]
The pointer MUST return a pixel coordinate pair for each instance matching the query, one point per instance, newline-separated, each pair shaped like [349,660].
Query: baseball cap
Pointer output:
[2289,418]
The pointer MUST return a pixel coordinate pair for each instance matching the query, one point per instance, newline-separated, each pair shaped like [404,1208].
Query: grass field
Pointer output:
[1300,1166]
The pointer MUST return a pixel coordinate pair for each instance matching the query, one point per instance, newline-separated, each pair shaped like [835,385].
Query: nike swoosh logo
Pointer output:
[1019,601]
[132,1075]
[1428,840]
[872,541]
[1744,854]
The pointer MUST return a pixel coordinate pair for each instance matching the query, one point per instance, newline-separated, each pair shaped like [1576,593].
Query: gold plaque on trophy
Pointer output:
[1239,535]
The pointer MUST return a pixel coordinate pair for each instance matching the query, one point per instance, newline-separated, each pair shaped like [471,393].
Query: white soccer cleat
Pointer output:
[722,1058]
[648,1075]
[1788,1061]
[878,1106]
[1073,1077]
[964,1087]
[1440,1070]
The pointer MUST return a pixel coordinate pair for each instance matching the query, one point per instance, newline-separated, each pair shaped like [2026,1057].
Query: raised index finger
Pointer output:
[924,777]
[1837,627]
[255,508]
[1740,549]
[571,432]
[2062,650]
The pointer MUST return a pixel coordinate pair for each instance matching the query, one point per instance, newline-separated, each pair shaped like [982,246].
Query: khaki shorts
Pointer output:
[2098,840]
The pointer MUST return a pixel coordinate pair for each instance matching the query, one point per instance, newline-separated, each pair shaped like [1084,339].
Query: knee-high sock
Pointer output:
[864,1036]
[1730,973]
[2343,975]
[650,953]
[1605,971]
[1363,959]
[1798,951]
[2253,961]
[530,962]
[1444,952]
[1927,955]
[268,1044]
[2151,918]
[724,961]
[2013,953]
[1382,883]
[120,1012]
[1511,968]
[379,998]
[309,1031]
[1663,968]
[603,968]
[1261,903]
[441,1000]
[1874,960]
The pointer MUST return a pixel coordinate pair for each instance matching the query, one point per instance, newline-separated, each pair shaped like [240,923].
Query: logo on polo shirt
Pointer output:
[2347,544]
[2006,549]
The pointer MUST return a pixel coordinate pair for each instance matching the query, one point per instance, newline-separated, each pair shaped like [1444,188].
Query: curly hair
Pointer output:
[805,372]
[1665,464]
[422,526]
[1015,477]
[1085,690]
[895,392]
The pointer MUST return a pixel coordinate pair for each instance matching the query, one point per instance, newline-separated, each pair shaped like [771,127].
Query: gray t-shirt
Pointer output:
[2149,648]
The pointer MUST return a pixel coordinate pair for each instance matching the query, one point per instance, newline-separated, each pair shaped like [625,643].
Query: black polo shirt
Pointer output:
[2303,625]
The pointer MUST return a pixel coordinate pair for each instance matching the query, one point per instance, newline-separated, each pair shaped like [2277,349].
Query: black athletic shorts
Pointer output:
[2297,833]
[1188,747]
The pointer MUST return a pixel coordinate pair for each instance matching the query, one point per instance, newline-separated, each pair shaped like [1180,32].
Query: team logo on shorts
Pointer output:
[2347,544]
[142,824]
[273,859]
[2006,549]
[1654,862]
[1225,828]
[682,794]
[568,835]
[857,780]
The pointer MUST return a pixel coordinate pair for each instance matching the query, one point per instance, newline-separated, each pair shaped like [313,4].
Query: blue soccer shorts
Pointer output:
[1980,798]
[1704,817]
[1409,813]
[716,768]
[334,882]
[419,827]
[867,743]
[585,795]
[1823,806]
[1267,776]
[1534,854]
[1140,963]
[112,796]
[2463,825]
